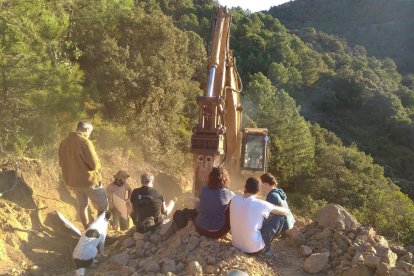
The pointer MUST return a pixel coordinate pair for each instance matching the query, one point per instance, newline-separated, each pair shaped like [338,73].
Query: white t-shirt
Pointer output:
[246,219]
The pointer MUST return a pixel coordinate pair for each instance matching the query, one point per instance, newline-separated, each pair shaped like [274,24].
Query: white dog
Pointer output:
[91,243]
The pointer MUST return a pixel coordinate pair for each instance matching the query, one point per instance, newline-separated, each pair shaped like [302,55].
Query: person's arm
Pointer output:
[277,210]
[129,191]
[89,156]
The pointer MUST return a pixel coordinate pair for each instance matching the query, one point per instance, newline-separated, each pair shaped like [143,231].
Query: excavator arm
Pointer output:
[217,138]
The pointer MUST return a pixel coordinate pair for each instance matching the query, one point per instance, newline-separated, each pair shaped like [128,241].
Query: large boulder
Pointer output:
[316,262]
[335,216]
[387,256]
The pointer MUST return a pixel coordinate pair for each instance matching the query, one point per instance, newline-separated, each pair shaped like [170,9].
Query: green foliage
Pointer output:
[140,67]
[383,27]
[291,140]
[40,88]
[390,211]
[135,67]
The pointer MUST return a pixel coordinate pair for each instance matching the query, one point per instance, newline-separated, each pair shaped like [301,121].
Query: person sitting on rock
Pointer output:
[148,209]
[213,218]
[120,188]
[277,196]
[252,226]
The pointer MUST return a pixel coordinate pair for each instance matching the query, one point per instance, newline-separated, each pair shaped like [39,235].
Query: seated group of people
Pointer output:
[253,222]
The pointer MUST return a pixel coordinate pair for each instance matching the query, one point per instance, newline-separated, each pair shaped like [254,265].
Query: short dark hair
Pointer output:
[146,178]
[268,178]
[218,178]
[252,185]
[83,125]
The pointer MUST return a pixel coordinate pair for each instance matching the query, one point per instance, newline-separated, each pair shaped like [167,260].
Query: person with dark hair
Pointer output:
[213,212]
[80,165]
[277,196]
[252,226]
[148,209]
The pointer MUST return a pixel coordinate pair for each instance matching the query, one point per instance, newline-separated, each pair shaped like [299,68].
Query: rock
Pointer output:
[127,270]
[121,259]
[383,269]
[211,260]
[405,266]
[408,257]
[358,258]
[168,266]
[295,236]
[387,256]
[192,244]
[35,271]
[237,272]
[381,241]
[211,269]
[397,272]
[326,234]
[316,262]
[168,229]
[194,268]
[151,266]
[335,216]
[358,270]
[155,238]
[138,236]
[169,274]
[128,242]
[410,249]
[371,261]
[180,267]
[305,250]
[351,235]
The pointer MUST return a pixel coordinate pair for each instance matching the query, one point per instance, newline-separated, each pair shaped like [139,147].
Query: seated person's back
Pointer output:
[146,202]
[212,209]
[247,215]
[148,205]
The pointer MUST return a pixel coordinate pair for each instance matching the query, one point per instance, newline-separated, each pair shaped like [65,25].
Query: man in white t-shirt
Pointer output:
[252,229]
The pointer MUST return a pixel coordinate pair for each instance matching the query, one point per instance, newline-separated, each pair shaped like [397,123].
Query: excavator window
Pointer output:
[254,152]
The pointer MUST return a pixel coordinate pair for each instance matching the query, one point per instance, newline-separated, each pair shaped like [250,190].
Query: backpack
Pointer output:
[182,217]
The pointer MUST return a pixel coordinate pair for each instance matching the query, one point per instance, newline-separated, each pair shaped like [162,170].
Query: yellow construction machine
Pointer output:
[218,139]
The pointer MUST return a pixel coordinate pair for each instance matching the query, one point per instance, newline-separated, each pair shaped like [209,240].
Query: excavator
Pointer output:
[218,138]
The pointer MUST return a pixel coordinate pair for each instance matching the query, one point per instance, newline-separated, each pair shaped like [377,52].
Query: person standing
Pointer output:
[120,188]
[252,226]
[147,206]
[80,164]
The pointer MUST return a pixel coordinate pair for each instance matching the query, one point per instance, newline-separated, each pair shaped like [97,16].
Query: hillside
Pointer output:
[340,120]
[383,27]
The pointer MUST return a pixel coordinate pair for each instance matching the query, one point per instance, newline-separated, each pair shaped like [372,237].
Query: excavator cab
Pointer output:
[255,150]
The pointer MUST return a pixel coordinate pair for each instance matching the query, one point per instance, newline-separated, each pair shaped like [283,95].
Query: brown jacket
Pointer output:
[79,161]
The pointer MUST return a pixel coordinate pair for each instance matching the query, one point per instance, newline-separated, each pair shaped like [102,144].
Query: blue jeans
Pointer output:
[272,227]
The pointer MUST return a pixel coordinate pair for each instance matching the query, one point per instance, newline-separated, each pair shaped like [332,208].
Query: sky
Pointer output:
[252,5]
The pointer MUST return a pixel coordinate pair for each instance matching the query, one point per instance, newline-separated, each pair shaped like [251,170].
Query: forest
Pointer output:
[340,119]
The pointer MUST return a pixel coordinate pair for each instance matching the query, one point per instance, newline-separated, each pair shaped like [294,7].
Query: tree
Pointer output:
[292,144]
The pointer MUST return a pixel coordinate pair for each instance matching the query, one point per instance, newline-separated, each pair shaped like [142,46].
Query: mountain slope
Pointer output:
[384,27]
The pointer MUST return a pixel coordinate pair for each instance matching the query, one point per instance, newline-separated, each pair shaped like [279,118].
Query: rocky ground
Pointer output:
[31,243]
